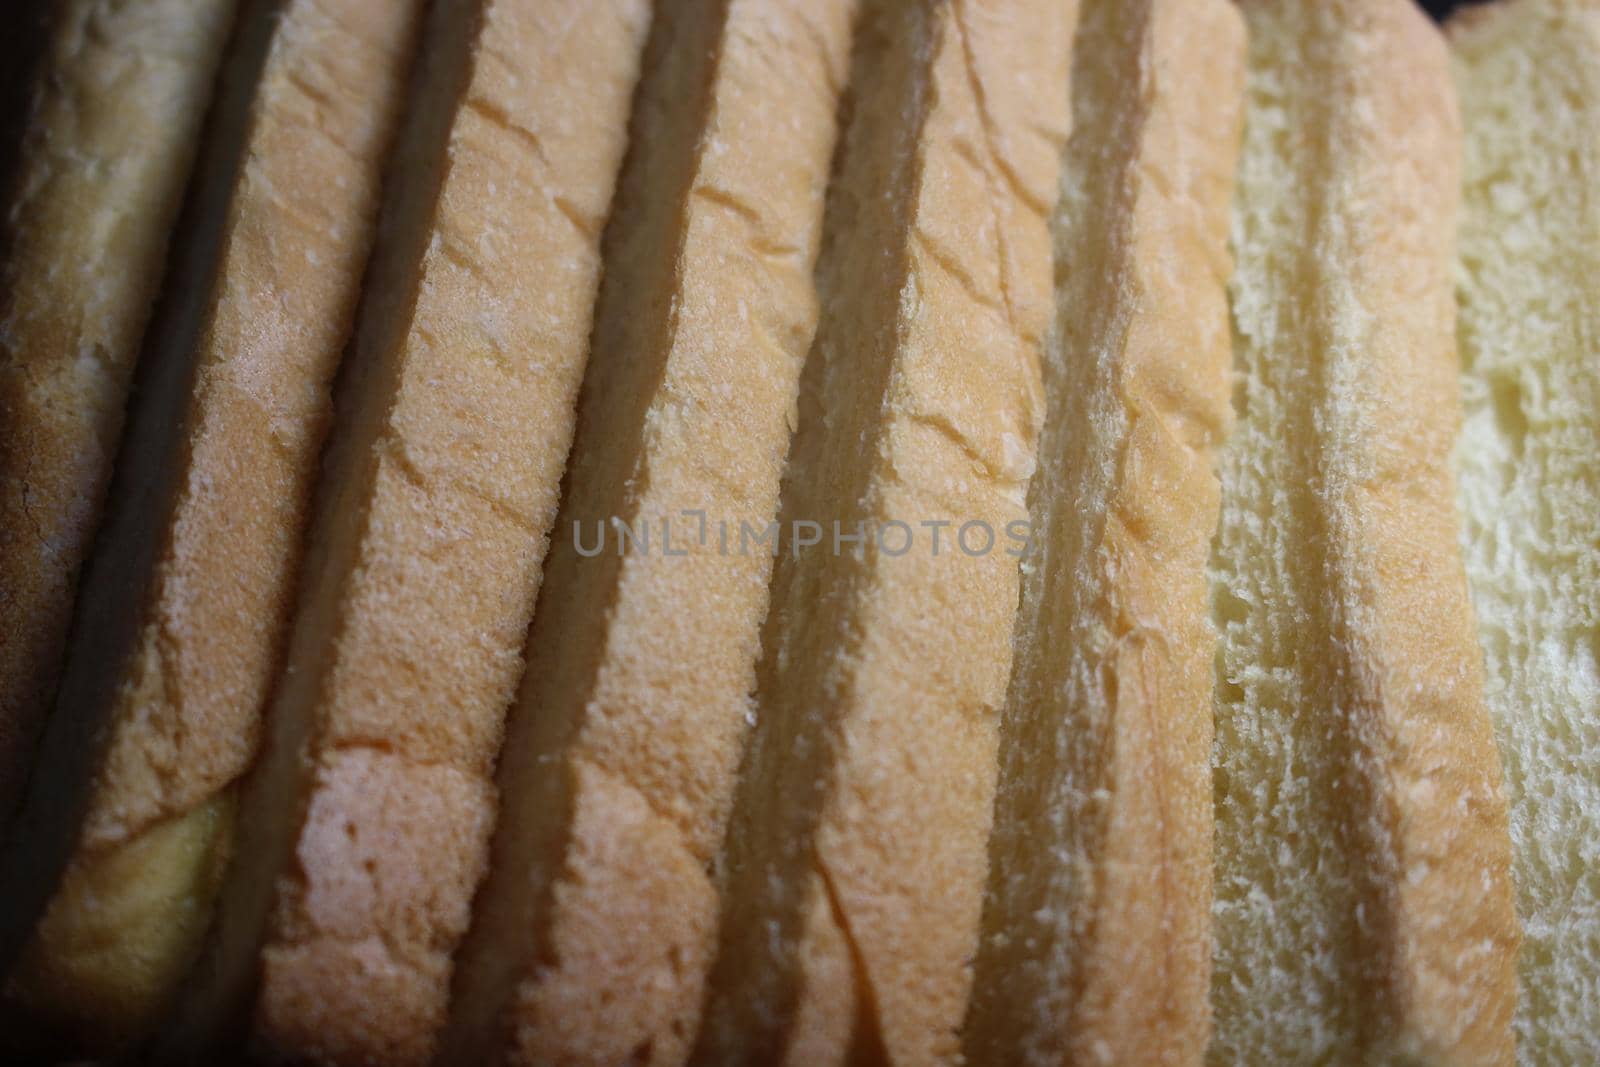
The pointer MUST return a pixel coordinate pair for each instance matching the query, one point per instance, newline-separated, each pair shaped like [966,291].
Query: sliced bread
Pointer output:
[197,568]
[125,85]
[618,770]
[1363,891]
[1529,79]
[362,831]
[1097,926]
[857,851]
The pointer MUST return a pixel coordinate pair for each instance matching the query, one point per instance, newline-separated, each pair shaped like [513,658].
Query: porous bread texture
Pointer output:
[596,923]
[1364,909]
[364,827]
[125,86]
[1529,81]
[464,480]
[856,856]
[1097,926]
[182,705]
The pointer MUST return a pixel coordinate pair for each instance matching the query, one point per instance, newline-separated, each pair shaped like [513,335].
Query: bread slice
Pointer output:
[1364,906]
[203,575]
[1529,80]
[112,133]
[856,854]
[1097,925]
[363,830]
[622,748]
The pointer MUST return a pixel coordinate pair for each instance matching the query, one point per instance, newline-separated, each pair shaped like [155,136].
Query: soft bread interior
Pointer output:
[1363,864]
[137,915]
[1287,973]
[1529,80]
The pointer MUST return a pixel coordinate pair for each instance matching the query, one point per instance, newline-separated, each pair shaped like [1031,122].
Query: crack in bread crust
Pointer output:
[434,609]
[453,417]
[625,726]
[857,845]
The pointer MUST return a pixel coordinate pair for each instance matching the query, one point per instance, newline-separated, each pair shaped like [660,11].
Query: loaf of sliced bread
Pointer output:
[618,768]
[747,609]
[857,849]
[196,568]
[1364,905]
[1097,926]
[109,141]
[1529,80]
[363,829]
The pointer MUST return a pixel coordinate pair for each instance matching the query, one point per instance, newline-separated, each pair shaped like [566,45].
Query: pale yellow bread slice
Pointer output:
[1529,79]
[857,848]
[109,141]
[1364,901]
[204,577]
[622,748]
[1097,926]
[363,829]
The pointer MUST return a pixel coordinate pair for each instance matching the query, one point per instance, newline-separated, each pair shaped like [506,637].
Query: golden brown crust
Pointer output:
[857,848]
[1097,929]
[1414,803]
[125,86]
[635,700]
[425,556]
[186,698]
